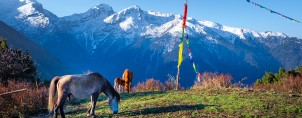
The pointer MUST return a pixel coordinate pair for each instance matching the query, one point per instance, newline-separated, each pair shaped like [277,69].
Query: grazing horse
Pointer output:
[81,86]
[118,84]
[127,77]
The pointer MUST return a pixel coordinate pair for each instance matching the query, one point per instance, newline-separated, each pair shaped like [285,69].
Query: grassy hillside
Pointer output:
[196,103]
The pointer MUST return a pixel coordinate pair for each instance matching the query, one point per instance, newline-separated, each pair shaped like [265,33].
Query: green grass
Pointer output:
[195,103]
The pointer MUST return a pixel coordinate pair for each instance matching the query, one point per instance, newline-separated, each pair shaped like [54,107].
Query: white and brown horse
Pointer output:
[119,84]
[81,86]
[125,82]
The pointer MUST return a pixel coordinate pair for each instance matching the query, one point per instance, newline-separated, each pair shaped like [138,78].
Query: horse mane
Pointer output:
[111,89]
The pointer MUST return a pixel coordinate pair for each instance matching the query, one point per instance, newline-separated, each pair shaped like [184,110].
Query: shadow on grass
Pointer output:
[125,96]
[166,109]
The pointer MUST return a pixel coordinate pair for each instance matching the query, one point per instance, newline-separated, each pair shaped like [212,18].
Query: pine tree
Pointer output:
[269,78]
[16,65]
[3,44]
[281,75]
[29,71]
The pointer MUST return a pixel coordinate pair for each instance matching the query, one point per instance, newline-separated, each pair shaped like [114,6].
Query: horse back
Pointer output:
[81,86]
[127,76]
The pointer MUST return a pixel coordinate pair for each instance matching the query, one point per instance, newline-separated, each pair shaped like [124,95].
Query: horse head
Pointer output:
[113,103]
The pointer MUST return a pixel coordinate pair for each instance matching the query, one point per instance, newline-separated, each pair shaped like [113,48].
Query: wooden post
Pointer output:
[12,92]
[177,78]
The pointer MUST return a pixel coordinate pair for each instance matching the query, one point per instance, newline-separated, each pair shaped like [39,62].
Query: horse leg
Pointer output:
[129,89]
[118,88]
[88,112]
[61,111]
[55,111]
[115,85]
[94,98]
[59,105]
[121,88]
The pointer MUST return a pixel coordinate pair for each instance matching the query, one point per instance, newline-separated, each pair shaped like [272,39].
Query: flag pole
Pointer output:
[180,59]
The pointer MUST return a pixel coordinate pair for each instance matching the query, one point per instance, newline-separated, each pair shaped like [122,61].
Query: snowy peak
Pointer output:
[241,33]
[127,14]
[139,15]
[100,9]
[268,34]
[34,14]
[134,18]
[29,12]
[98,12]
[211,24]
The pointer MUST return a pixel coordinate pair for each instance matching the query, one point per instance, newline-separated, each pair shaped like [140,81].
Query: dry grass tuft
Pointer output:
[214,80]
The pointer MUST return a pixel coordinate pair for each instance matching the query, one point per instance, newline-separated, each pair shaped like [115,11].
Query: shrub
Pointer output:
[149,85]
[293,84]
[22,104]
[214,80]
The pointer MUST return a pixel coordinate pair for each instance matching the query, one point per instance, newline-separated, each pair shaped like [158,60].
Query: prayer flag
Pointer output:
[181,45]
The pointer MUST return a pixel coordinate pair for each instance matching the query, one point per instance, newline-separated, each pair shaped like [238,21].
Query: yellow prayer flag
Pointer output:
[181,46]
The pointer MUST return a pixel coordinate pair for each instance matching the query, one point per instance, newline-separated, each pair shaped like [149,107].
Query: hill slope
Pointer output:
[195,103]
[48,65]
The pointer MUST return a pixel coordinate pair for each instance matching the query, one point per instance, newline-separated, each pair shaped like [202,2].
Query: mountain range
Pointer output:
[147,42]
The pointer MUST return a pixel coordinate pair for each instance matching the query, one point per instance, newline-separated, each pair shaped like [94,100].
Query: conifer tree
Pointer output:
[3,44]
[16,65]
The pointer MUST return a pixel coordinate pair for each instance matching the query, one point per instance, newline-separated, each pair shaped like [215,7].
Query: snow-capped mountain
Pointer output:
[28,17]
[86,28]
[147,42]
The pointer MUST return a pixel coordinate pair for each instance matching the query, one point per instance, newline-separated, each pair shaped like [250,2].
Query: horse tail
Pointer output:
[131,76]
[52,91]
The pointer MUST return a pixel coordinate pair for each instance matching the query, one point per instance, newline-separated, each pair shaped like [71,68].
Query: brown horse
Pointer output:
[81,86]
[119,84]
[127,77]
[124,84]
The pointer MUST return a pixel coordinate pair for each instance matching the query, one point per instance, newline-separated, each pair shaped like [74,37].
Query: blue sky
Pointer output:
[235,13]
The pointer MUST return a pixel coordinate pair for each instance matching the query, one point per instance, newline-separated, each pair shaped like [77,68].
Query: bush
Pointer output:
[149,85]
[22,104]
[16,65]
[214,80]
[155,85]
